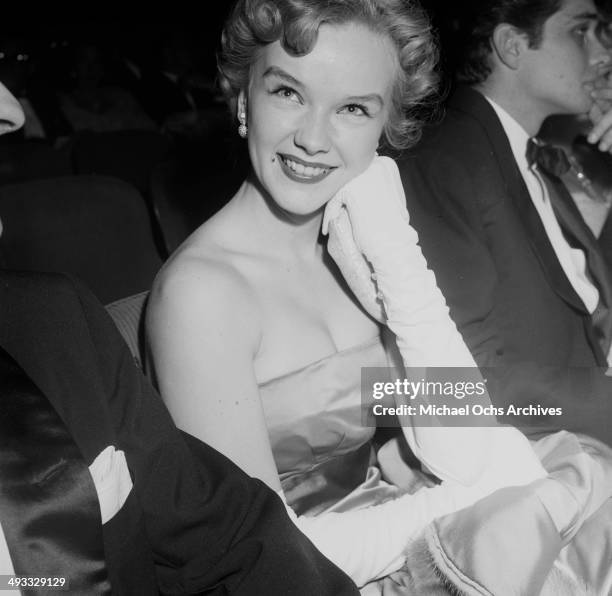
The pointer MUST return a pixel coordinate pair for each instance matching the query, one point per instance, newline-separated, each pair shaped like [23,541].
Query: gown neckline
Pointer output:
[360,346]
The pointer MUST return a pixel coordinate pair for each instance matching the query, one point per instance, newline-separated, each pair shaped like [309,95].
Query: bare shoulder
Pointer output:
[200,286]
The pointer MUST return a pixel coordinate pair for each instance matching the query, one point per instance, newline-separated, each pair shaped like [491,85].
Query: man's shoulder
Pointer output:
[34,290]
[466,116]
[35,286]
[461,140]
[41,307]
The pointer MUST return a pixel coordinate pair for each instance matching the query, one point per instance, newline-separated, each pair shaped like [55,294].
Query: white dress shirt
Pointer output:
[572,260]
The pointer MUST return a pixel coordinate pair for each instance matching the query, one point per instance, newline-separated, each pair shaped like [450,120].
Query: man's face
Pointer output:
[11,114]
[558,75]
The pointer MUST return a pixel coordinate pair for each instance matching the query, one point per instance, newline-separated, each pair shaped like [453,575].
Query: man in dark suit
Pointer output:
[523,276]
[98,489]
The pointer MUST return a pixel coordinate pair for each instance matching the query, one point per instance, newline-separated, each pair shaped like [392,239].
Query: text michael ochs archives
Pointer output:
[439,396]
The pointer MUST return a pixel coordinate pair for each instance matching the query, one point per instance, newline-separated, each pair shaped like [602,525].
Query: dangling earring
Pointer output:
[243,130]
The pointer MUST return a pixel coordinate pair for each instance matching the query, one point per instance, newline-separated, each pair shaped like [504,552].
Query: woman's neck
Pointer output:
[272,227]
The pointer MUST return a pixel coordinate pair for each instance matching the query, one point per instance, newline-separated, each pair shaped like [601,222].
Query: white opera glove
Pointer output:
[371,543]
[372,207]
[377,251]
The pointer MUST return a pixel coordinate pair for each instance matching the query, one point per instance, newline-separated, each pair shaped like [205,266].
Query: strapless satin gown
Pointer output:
[325,460]
[322,449]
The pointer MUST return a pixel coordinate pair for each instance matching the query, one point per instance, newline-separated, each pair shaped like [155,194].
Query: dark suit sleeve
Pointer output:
[211,528]
[444,208]
[605,239]
[449,204]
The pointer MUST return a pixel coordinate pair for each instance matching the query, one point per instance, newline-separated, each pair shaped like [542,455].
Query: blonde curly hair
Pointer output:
[253,24]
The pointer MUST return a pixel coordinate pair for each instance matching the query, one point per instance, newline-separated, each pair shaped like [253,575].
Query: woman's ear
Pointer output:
[509,44]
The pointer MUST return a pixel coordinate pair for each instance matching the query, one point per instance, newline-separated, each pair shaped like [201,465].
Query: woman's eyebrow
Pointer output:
[281,74]
[375,97]
[275,71]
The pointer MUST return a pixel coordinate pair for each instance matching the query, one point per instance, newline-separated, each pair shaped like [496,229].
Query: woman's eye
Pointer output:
[286,93]
[354,109]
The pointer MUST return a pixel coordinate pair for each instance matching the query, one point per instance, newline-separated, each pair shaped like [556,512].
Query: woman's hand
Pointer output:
[375,204]
[378,228]
[360,222]
[415,310]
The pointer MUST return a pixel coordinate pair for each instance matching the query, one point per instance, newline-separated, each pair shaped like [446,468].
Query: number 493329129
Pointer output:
[21,582]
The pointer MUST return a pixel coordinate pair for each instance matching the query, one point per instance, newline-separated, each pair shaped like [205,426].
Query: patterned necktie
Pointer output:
[553,160]
[552,164]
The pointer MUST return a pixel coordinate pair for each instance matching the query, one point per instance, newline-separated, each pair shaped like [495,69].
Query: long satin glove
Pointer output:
[370,543]
[377,251]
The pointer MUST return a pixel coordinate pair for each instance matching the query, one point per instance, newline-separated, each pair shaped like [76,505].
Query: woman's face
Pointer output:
[315,121]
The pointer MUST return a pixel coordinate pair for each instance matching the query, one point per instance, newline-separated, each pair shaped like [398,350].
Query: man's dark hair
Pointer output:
[604,30]
[605,8]
[476,25]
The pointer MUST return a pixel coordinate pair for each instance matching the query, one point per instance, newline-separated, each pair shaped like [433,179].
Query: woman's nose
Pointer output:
[313,134]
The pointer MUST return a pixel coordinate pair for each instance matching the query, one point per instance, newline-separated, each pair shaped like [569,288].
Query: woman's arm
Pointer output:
[203,334]
[373,207]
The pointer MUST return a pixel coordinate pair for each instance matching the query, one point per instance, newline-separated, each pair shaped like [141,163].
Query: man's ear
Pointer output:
[509,44]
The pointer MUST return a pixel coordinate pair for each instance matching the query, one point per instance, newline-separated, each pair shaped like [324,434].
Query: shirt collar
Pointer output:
[517,135]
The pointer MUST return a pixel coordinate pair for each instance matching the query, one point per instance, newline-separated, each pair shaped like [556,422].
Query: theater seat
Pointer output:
[128,315]
[96,228]
[129,155]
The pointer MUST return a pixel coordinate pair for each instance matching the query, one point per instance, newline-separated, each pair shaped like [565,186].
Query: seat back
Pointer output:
[128,314]
[185,192]
[93,227]
[129,155]
[33,160]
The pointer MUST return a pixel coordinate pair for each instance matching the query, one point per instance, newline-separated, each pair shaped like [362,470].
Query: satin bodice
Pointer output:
[314,415]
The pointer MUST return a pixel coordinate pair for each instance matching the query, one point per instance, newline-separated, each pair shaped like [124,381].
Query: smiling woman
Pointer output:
[315,89]
[296,25]
[256,342]
[317,119]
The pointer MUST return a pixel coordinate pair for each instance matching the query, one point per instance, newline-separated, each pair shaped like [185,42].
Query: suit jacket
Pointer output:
[193,522]
[505,287]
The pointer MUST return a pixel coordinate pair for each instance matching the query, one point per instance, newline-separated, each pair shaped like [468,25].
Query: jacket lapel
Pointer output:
[473,103]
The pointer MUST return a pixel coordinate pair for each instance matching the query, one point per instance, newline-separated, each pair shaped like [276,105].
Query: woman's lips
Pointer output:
[302,171]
